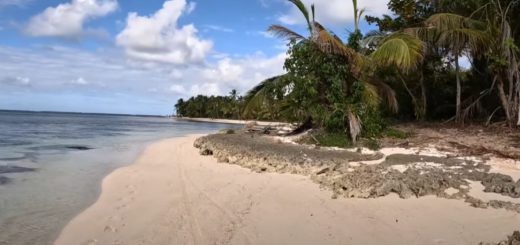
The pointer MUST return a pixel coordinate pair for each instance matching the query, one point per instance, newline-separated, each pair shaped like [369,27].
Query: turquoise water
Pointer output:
[70,155]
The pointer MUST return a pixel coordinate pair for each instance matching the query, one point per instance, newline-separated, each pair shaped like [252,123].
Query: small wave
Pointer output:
[7,169]
[8,142]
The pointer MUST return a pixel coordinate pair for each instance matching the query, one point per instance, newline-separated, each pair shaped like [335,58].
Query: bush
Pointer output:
[328,139]
[396,134]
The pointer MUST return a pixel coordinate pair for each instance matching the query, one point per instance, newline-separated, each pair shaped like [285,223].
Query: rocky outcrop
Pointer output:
[511,240]
[502,184]
[265,154]
[341,170]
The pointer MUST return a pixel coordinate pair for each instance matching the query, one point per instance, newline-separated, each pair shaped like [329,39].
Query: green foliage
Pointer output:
[225,107]
[395,133]
[372,144]
[410,63]
[327,139]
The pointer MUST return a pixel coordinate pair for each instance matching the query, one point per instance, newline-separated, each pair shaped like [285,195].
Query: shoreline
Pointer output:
[172,195]
[229,121]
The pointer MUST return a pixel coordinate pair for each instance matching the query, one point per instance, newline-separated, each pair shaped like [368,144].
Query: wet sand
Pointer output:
[172,195]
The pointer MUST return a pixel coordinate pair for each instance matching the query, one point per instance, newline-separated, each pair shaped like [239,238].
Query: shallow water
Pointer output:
[71,154]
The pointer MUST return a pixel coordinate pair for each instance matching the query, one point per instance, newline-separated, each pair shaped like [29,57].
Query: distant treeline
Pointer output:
[222,107]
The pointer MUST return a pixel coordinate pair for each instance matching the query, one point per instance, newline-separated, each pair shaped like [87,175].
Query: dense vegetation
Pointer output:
[408,69]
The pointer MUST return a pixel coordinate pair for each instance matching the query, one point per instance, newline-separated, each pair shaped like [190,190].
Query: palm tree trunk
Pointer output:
[458,115]
[424,108]
[414,99]
[504,100]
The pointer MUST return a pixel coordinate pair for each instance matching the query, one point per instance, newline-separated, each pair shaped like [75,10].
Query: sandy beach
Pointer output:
[172,195]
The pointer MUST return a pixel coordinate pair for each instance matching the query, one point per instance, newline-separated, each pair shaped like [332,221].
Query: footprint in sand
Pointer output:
[109,228]
[91,242]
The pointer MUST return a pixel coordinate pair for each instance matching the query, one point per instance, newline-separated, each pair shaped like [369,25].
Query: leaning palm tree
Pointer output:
[263,95]
[329,43]
[318,35]
[458,35]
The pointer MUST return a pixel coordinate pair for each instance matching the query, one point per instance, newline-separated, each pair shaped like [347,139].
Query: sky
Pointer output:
[140,57]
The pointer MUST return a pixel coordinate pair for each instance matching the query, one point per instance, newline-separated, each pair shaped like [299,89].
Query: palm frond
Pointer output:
[330,43]
[400,50]
[386,94]
[461,38]
[450,21]
[373,38]
[284,32]
[301,6]
[456,32]
[259,95]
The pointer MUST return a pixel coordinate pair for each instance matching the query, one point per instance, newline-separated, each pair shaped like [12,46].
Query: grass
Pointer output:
[396,134]
[227,131]
[333,140]
[372,144]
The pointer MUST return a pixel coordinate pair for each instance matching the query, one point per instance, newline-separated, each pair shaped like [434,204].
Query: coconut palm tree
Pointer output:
[459,36]
[322,38]
[401,51]
[327,43]
[504,58]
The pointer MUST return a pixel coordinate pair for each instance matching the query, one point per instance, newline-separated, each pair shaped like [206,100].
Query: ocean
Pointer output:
[52,164]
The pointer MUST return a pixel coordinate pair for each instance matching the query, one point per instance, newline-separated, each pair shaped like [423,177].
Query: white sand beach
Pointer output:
[172,195]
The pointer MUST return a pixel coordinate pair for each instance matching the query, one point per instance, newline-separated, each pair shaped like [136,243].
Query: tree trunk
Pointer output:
[415,103]
[424,99]
[458,115]
[504,100]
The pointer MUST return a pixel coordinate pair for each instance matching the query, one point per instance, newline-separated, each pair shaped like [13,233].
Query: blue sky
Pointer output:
[139,57]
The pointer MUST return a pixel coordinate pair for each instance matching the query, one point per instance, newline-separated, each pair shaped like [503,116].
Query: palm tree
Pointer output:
[329,43]
[459,36]
[402,51]
[504,57]
[358,14]
[322,38]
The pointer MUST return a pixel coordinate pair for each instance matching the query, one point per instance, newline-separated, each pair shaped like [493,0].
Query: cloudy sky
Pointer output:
[139,57]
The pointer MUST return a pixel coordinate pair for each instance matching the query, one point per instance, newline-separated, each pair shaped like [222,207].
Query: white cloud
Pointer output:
[67,19]
[158,38]
[176,74]
[16,81]
[218,28]
[191,7]
[245,72]
[79,81]
[335,11]
[67,74]
[224,71]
